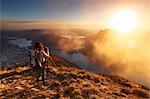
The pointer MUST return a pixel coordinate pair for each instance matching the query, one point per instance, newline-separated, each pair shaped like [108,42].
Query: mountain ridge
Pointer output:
[67,80]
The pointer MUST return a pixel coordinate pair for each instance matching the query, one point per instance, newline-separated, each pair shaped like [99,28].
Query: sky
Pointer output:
[71,11]
[30,10]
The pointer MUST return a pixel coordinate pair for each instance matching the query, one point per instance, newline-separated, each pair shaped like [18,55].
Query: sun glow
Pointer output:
[124,21]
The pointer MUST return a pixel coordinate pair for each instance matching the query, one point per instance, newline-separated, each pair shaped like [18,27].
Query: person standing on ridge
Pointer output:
[39,60]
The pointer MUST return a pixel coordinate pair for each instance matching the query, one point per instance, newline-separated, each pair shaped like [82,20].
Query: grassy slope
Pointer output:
[67,81]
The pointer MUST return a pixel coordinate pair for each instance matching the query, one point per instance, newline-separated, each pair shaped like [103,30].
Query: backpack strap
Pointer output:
[38,63]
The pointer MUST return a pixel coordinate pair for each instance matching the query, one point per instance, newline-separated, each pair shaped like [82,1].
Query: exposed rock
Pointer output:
[126,91]
[86,77]
[64,83]
[96,80]
[54,85]
[141,93]
[60,77]
[68,92]
[71,75]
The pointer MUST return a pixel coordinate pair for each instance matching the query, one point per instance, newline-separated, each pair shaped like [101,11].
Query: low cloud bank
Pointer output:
[125,55]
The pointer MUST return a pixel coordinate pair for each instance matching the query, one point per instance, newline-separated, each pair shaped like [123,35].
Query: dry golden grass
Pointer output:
[19,69]
[65,82]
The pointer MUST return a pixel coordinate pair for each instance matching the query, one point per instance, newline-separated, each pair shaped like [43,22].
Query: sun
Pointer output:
[124,21]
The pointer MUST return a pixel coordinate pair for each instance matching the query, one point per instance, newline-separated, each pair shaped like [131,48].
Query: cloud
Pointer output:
[126,55]
[26,25]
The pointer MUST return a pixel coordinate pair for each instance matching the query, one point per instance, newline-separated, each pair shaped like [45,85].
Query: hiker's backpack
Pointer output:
[34,59]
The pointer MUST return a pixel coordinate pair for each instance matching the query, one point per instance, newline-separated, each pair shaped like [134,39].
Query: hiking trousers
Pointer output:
[41,74]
